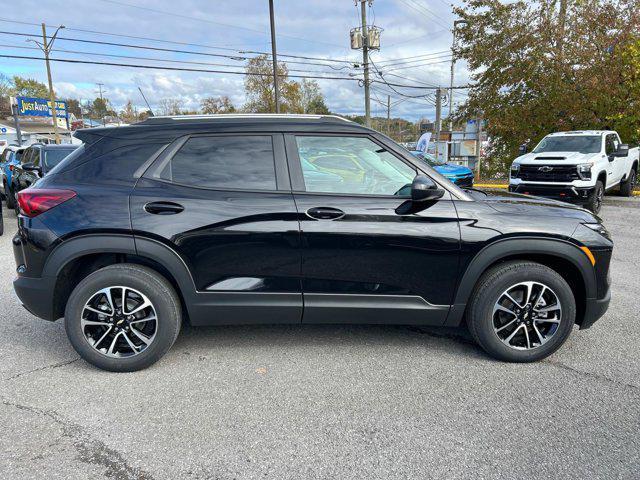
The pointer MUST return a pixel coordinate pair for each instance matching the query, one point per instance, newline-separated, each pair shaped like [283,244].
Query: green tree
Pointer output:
[312,98]
[217,105]
[100,108]
[6,86]
[258,86]
[540,68]
[73,106]
[29,87]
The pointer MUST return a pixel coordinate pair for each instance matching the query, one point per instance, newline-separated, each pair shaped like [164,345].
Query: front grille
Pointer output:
[464,181]
[555,173]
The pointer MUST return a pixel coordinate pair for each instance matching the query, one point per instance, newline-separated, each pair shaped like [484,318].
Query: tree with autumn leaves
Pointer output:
[550,65]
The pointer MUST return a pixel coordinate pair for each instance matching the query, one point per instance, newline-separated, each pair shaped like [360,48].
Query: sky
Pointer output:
[205,28]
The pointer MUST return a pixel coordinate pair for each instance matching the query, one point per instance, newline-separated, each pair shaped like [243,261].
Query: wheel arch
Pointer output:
[562,256]
[75,259]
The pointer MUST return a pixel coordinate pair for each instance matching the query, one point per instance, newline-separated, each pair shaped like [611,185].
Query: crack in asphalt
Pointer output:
[90,450]
[54,365]
[597,376]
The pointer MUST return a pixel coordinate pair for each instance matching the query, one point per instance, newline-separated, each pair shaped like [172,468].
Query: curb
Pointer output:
[499,185]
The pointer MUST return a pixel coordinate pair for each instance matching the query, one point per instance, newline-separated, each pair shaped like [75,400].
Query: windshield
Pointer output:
[429,159]
[54,157]
[570,143]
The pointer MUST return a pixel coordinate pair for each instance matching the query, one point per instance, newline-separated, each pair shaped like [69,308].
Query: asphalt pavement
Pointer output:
[334,402]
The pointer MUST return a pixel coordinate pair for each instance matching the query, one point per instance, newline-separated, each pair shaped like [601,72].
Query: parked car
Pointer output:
[576,167]
[8,161]
[458,174]
[36,161]
[211,220]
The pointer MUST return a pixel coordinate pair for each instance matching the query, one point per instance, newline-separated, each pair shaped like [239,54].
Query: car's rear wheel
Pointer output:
[626,187]
[123,317]
[521,311]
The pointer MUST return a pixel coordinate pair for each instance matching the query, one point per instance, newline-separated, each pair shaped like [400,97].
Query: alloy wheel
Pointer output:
[119,321]
[526,315]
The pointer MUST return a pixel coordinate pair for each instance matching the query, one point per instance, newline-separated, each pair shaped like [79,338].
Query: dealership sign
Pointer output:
[40,107]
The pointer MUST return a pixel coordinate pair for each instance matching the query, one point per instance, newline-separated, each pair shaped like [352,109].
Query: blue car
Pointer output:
[8,160]
[461,176]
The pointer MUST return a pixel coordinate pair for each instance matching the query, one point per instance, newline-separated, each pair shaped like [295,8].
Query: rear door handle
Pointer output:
[325,213]
[163,208]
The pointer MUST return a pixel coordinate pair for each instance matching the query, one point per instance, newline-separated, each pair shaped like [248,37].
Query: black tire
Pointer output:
[626,187]
[9,195]
[1,220]
[145,280]
[490,288]
[596,198]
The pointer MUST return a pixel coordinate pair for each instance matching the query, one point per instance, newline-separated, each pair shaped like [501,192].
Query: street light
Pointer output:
[46,47]
[453,62]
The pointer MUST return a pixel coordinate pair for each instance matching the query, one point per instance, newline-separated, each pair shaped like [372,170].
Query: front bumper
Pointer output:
[565,193]
[463,181]
[595,308]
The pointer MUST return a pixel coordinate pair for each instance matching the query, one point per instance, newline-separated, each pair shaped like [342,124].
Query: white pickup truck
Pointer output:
[576,167]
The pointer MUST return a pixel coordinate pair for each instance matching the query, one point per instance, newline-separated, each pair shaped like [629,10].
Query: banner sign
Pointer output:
[40,107]
[423,142]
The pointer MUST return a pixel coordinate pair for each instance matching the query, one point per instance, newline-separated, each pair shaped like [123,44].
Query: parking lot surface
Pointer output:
[327,401]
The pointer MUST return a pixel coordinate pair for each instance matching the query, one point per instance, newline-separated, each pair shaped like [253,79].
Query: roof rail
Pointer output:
[242,115]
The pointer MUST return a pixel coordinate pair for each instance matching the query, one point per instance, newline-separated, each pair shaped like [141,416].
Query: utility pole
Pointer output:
[365,62]
[16,121]
[478,145]
[46,47]
[453,62]
[274,57]
[389,115]
[100,85]
[438,117]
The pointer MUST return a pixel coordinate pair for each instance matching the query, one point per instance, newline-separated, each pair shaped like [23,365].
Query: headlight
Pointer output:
[598,227]
[584,171]
[515,169]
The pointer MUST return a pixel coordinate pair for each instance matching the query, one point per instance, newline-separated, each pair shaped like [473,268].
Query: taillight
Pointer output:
[34,202]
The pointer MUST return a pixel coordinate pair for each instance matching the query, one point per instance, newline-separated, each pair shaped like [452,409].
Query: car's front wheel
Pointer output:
[597,197]
[9,197]
[123,317]
[521,311]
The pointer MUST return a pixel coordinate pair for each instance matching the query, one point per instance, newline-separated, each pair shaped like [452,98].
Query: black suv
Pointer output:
[292,219]
[36,162]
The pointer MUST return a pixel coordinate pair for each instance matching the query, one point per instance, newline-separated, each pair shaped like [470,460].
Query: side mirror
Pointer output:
[523,149]
[623,150]
[424,189]
[30,167]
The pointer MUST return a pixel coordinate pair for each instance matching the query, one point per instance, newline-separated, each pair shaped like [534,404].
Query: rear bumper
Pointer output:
[595,309]
[36,295]
[565,193]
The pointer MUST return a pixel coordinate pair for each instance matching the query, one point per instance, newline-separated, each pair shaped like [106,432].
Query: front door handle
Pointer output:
[163,208]
[325,213]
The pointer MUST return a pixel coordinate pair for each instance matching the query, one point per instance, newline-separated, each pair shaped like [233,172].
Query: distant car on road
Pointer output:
[36,161]
[458,174]
[8,160]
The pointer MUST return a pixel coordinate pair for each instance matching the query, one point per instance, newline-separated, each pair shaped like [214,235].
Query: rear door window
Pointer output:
[240,162]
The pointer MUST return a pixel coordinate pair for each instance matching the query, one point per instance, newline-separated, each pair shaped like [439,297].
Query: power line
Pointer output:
[409,62]
[380,62]
[201,70]
[440,22]
[158,49]
[150,39]
[132,57]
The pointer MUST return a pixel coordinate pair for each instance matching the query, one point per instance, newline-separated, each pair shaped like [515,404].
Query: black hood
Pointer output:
[519,204]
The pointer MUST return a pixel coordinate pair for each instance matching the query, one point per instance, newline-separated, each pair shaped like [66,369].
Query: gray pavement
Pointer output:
[327,401]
